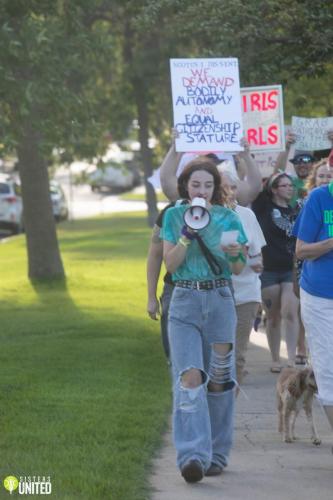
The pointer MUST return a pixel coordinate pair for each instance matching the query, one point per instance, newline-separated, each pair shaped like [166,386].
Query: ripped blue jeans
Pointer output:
[202,419]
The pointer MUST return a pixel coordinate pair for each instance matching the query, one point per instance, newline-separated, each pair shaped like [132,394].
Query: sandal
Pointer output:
[301,359]
[276,368]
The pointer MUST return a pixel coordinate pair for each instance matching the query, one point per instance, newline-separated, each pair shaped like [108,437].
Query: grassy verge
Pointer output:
[84,388]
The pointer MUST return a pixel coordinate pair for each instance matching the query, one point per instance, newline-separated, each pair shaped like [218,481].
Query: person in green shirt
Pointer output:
[202,321]
[303,163]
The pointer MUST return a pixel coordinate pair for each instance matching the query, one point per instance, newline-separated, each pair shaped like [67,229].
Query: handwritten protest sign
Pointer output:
[311,133]
[206,104]
[266,162]
[263,117]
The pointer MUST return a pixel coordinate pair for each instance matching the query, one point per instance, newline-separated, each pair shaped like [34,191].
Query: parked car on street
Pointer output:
[59,202]
[11,206]
[113,178]
[11,209]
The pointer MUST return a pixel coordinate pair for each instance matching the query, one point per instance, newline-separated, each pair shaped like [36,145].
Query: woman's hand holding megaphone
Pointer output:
[188,232]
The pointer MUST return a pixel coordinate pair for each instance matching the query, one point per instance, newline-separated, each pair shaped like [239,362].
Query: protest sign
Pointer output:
[266,162]
[206,104]
[311,133]
[263,117]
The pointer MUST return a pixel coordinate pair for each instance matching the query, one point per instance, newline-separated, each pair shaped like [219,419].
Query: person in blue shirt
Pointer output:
[202,324]
[321,175]
[314,231]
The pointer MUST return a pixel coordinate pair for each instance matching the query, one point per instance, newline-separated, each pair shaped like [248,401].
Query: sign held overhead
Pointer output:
[206,104]
[263,117]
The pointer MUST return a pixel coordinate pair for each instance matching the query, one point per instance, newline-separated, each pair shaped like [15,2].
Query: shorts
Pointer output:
[317,316]
[270,278]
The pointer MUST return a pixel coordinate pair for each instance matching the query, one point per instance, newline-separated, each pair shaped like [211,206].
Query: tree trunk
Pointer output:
[143,119]
[44,260]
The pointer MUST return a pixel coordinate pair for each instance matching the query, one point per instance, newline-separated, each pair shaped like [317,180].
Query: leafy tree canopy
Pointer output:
[53,62]
[274,40]
[310,96]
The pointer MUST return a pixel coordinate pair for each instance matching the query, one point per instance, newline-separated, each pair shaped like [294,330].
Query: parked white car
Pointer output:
[59,202]
[11,206]
[112,178]
[11,209]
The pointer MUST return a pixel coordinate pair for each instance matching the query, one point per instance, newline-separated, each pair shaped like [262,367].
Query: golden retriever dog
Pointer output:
[295,389]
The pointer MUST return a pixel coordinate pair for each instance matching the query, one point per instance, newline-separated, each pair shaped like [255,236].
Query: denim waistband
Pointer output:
[203,285]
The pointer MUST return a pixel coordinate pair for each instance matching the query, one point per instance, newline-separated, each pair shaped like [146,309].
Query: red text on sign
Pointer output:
[260,101]
[261,137]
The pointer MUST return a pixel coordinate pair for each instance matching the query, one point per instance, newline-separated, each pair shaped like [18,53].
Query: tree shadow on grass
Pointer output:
[84,387]
[84,391]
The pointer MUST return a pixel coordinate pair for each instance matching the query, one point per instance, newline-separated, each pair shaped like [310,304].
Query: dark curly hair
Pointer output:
[220,195]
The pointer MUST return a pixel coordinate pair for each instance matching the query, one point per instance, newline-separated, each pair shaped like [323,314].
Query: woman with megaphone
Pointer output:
[202,318]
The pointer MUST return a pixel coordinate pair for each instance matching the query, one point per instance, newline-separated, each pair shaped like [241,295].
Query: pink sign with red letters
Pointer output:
[263,117]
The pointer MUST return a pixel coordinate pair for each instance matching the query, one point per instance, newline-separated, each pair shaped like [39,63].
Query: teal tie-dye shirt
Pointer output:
[195,265]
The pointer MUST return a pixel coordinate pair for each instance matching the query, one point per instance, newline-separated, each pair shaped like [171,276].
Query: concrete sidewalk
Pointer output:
[261,467]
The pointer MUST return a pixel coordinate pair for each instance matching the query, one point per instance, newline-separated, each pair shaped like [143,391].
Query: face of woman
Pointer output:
[284,189]
[201,185]
[324,175]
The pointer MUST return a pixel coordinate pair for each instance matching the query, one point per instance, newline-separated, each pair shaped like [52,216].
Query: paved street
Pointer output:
[84,203]
[262,467]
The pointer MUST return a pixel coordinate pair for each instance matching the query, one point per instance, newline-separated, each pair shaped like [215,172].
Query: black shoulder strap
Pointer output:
[213,264]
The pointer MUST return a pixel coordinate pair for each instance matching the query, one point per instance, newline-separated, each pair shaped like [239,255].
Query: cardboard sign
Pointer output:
[311,133]
[206,104]
[266,162]
[263,117]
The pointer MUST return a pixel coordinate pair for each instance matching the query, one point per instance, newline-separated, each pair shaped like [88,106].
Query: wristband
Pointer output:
[183,242]
[240,256]
[187,234]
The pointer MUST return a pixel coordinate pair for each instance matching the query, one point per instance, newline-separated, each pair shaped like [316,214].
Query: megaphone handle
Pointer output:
[189,235]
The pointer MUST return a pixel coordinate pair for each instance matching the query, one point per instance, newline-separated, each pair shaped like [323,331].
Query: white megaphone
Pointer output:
[197,216]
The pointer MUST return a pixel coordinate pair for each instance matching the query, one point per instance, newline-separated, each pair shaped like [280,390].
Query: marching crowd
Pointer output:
[279,261]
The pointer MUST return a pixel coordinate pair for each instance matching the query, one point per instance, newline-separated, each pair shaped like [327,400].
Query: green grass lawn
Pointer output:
[84,386]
